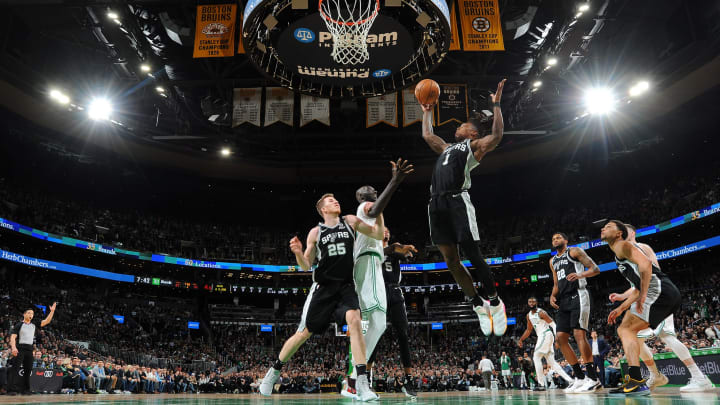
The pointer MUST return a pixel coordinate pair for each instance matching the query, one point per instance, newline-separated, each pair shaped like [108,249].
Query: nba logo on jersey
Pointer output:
[304,35]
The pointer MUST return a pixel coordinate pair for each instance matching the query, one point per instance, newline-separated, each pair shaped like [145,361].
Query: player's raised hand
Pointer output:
[520,343]
[52,307]
[296,246]
[495,97]
[408,250]
[401,169]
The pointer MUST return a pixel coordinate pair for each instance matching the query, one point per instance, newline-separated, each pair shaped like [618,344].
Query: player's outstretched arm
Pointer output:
[527,332]
[436,143]
[305,259]
[553,295]
[49,318]
[376,231]
[487,143]
[400,170]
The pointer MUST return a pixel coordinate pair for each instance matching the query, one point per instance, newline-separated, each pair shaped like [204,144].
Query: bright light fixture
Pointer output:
[58,96]
[578,15]
[639,88]
[599,100]
[118,22]
[225,152]
[584,7]
[552,62]
[537,84]
[99,109]
[145,67]
[160,89]
[112,15]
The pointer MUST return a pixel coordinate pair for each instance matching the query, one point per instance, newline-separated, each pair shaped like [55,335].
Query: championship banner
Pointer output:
[246,106]
[481,27]
[314,109]
[412,112]
[452,104]
[454,36]
[707,360]
[241,47]
[279,103]
[215,31]
[381,109]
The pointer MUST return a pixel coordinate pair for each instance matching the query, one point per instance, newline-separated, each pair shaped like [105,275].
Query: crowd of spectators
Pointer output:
[523,231]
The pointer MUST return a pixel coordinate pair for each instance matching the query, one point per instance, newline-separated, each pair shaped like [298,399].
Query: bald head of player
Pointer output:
[366,194]
[613,231]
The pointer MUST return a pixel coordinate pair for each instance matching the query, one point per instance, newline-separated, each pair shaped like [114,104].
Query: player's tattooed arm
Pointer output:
[488,143]
[553,295]
[436,143]
[581,256]
[527,332]
[400,170]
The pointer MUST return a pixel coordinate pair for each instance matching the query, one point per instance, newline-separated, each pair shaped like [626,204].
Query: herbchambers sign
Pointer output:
[306,46]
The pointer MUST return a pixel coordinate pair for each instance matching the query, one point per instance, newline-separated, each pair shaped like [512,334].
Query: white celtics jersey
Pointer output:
[364,243]
[538,323]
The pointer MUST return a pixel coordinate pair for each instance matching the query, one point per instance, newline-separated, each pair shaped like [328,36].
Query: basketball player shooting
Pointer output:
[452,215]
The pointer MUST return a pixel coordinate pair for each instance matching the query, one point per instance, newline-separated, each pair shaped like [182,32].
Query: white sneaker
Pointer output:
[697,385]
[499,318]
[483,313]
[364,393]
[347,392]
[656,380]
[573,385]
[268,382]
[588,385]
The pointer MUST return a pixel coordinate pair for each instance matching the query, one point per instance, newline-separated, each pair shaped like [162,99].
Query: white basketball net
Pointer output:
[349,22]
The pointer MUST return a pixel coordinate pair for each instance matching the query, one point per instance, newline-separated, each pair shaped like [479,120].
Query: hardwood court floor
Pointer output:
[661,396]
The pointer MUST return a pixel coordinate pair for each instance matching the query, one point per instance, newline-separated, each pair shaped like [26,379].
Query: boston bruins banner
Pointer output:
[412,112]
[481,27]
[382,109]
[246,106]
[452,104]
[241,47]
[314,109]
[279,103]
[215,31]
[454,36]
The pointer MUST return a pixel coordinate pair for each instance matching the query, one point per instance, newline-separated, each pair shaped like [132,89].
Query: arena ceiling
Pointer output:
[98,47]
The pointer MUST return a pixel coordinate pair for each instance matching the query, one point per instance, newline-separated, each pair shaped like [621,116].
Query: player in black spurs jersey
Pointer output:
[655,298]
[452,215]
[572,300]
[333,296]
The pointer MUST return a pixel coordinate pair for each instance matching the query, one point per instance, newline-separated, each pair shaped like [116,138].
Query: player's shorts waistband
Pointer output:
[452,193]
[369,253]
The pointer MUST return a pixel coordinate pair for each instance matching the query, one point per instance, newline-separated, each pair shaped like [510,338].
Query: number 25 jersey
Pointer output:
[334,249]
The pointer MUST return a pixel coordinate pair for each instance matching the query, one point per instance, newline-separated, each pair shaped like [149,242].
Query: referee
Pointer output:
[23,333]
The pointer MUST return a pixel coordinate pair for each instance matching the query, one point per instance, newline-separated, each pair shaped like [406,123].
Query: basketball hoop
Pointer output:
[349,22]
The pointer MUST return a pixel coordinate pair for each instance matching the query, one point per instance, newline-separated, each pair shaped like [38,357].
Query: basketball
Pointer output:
[427,91]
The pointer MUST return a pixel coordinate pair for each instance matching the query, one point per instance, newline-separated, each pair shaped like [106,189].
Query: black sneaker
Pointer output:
[408,390]
[632,387]
[539,388]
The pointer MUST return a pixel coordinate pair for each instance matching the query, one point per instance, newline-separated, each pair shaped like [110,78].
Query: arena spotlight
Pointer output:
[160,89]
[536,84]
[552,62]
[225,152]
[58,96]
[599,100]
[118,22]
[639,88]
[145,67]
[99,109]
[584,7]
[112,15]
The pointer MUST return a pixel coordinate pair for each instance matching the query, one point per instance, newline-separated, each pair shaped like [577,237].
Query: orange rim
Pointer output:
[351,23]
